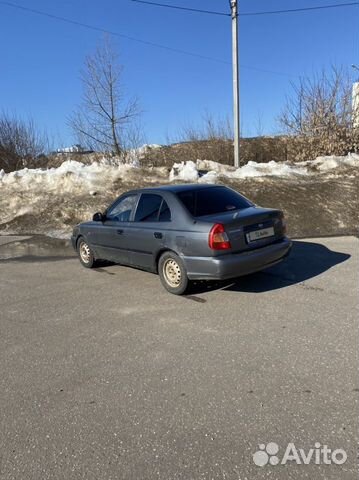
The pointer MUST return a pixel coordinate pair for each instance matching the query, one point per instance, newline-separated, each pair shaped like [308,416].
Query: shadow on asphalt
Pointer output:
[306,261]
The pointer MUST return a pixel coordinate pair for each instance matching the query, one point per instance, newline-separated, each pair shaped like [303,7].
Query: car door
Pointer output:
[147,233]
[111,240]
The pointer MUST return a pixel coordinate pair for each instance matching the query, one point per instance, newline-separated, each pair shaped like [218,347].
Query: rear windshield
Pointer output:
[210,201]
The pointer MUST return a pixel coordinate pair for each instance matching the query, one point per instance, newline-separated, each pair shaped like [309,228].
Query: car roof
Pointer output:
[176,188]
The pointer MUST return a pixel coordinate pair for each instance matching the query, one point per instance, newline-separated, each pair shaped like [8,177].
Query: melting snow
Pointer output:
[189,171]
[73,176]
[72,186]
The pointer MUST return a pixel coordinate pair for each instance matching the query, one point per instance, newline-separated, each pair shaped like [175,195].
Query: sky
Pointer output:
[41,59]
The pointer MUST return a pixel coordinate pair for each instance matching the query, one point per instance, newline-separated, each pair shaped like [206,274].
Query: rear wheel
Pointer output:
[85,253]
[173,274]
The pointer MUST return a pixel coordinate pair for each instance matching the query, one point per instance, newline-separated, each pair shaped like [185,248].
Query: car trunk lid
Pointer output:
[249,228]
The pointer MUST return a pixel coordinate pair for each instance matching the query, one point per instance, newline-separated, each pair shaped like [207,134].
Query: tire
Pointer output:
[173,274]
[85,253]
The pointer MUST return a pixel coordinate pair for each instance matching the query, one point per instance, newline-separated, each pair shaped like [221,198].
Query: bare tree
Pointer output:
[319,105]
[259,128]
[103,119]
[211,129]
[319,117]
[211,139]
[21,143]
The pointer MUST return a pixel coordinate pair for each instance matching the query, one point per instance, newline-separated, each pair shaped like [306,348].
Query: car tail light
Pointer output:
[218,239]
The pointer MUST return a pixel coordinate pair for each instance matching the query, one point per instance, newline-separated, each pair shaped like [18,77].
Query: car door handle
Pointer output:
[157,235]
[119,232]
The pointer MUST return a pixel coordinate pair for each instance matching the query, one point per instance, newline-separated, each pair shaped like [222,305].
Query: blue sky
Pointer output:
[41,58]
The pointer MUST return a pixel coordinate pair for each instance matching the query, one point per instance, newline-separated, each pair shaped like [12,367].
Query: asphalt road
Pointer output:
[104,375]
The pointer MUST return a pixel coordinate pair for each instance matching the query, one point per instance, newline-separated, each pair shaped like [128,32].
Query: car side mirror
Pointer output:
[98,217]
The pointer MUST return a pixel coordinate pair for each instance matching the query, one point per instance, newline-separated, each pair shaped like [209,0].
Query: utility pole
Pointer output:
[235,56]
[355,101]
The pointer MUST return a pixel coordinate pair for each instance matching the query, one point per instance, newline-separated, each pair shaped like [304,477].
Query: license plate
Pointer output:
[259,234]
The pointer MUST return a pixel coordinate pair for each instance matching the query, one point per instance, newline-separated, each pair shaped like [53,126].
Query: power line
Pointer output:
[109,32]
[158,45]
[248,14]
[304,9]
[144,42]
[178,7]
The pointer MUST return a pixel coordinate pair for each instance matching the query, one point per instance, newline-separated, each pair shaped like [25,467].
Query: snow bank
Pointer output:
[76,177]
[186,171]
[273,169]
[190,171]
[70,176]
[136,154]
[54,199]
[324,164]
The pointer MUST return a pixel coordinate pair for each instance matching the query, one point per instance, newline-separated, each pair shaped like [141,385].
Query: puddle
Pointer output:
[36,247]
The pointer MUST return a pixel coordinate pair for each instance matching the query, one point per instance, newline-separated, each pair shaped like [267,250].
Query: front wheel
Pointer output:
[85,253]
[173,274]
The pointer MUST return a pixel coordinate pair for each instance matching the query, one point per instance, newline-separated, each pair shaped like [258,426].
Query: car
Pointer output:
[184,233]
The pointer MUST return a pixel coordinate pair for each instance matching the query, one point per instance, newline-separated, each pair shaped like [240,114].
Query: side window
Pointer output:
[148,208]
[152,208]
[165,213]
[189,201]
[121,211]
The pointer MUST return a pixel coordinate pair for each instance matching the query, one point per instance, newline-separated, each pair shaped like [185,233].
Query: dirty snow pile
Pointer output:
[54,199]
[71,176]
[205,171]
[134,155]
[57,197]
[76,177]
[325,164]
[79,178]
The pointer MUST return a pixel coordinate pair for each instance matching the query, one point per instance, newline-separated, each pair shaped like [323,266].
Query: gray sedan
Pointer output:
[184,233]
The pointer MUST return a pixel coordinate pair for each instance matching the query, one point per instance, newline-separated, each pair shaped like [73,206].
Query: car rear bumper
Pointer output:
[238,264]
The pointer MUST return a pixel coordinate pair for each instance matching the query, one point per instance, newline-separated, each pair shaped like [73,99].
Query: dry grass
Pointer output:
[257,149]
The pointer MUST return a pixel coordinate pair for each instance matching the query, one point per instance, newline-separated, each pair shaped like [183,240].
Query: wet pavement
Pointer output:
[41,247]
